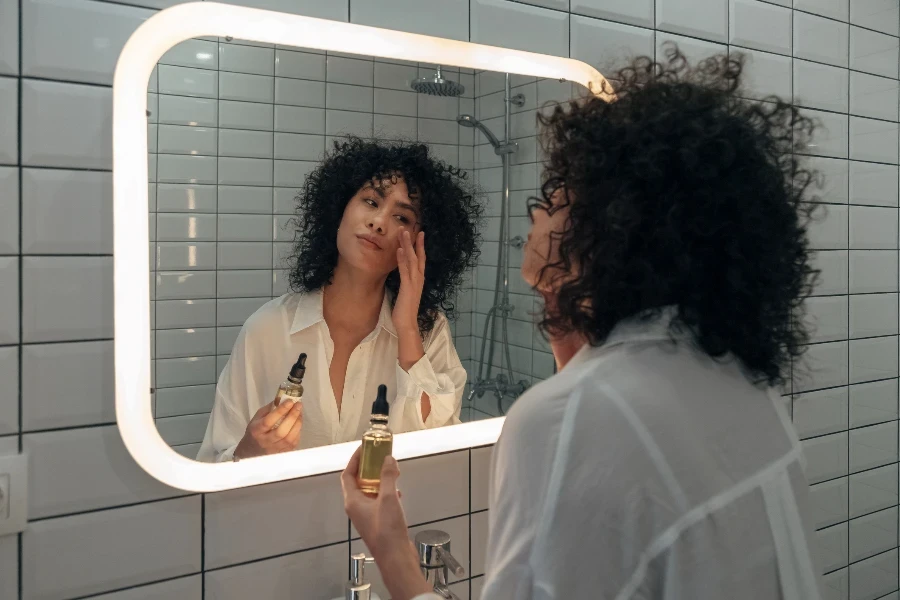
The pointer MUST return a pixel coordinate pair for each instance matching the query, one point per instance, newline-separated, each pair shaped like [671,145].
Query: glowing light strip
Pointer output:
[131,221]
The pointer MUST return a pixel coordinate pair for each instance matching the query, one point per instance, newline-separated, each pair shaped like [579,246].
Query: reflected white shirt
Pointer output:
[274,336]
[647,470]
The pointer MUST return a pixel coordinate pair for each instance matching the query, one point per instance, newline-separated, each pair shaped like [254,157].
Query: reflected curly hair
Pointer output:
[683,193]
[449,216]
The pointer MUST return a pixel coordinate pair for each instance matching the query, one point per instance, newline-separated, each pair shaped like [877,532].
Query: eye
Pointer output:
[370,202]
[403,219]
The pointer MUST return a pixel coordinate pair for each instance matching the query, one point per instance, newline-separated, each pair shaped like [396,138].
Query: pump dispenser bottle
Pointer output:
[377,443]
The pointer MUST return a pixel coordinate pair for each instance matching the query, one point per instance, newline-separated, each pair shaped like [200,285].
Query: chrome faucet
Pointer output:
[436,561]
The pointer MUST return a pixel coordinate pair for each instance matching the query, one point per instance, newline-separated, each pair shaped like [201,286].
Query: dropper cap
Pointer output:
[380,407]
[299,368]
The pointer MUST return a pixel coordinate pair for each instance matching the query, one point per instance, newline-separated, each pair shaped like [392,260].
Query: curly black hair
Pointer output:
[450,215]
[682,192]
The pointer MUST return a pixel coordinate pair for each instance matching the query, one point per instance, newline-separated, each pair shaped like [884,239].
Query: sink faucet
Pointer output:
[436,561]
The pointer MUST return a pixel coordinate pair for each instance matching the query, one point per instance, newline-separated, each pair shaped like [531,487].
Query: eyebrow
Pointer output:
[409,207]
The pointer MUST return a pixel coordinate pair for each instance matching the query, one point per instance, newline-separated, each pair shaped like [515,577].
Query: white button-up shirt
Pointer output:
[648,470]
[274,336]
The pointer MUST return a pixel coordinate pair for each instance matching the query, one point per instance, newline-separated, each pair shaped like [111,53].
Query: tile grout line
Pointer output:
[20,537]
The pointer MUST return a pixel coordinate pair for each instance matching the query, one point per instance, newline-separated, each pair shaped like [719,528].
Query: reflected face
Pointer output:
[542,247]
[369,233]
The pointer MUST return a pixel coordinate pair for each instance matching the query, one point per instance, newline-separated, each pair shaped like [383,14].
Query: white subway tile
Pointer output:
[80,306]
[873,184]
[834,175]
[477,586]
[187,169]
[606,45]
[821,86]
[113,479]
[827,317]
[834,266]
[152,109]
[9,207]
[185,81]
[354,71]
[873,490]
[831,136]
[873,315]
[821,40]
[833,9]
[66,125]
[181,226]
[694,50]
[828,502]
[873,271]
[94,35]
[441,18]
[873,228]
[178,197]
[200,54]
[337,9]
[181,110]
[299,65]
[242,513]
[761,26]
[438,107]
[195,370]
[823,366]
[639,12]
[245,228]
[246,115]
[478,541]
[881,15]
[66,212]
[99,551]
[9,544]
[179,343]
[299,92]
[873,52]
[395,77]
[183,588]
[874,402]
[873,140]
[9,37]
[225,338]
[321,573]
[831,545]
[299,119]
[185,313]
[874,577]
[176,139]
[183,429]
[519,26]
[243,283]
[9,120]
[394,127]
[234,311]
[873,358]
[299,146]
[245,255]
[185,285]
[245,199]
[341,123]
[829,230]
[872,96]
[705,19]
[246,88]
[820,412]
[285,201]
[349,97]
[185,400]
[247,59]
[438,131]
[245,171]
[836,585]
[83,369]
[873,446]
[9,394]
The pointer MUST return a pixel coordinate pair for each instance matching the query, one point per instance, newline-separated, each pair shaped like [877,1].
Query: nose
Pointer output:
[376,223]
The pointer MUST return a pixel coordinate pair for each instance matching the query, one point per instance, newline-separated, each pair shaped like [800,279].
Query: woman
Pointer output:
[364,308]
[670,245]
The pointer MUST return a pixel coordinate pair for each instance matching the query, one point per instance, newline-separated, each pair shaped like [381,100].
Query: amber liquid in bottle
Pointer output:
[377,444]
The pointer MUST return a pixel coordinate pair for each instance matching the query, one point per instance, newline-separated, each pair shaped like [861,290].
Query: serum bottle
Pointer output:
[377,443]
[291,388]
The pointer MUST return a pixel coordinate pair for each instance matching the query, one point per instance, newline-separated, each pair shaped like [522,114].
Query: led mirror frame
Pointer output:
[131,221]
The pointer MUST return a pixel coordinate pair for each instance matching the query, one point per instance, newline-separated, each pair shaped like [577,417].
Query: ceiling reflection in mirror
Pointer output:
[249,226]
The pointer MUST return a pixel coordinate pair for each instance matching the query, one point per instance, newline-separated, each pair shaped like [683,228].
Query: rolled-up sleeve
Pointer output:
[440,375]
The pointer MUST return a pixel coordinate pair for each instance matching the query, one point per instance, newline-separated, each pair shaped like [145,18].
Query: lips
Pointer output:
[369,242]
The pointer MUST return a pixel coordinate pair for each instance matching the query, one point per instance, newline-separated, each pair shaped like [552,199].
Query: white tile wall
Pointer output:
[845,408]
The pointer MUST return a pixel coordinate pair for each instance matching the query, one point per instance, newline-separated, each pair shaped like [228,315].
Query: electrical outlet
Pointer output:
[13,493]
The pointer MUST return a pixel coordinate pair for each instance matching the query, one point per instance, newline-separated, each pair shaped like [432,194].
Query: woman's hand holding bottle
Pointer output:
[273,429]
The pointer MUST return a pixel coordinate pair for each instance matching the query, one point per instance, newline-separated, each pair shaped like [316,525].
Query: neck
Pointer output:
[353,298]
[563,346]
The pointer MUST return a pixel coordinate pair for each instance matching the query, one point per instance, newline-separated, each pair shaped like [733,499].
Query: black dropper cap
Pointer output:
[380,407]
[299,368]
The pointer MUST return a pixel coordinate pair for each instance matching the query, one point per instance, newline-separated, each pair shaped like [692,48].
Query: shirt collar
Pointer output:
[309,312]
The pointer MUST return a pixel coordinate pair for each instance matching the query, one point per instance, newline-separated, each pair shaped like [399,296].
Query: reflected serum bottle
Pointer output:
[291,389]
[377,444]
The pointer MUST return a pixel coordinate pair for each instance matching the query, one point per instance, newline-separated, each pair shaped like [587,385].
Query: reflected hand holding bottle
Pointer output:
[274,428]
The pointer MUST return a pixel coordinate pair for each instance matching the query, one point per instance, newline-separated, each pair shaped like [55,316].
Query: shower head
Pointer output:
[470,121]
[436,85]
